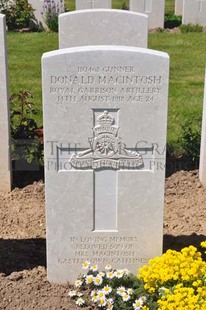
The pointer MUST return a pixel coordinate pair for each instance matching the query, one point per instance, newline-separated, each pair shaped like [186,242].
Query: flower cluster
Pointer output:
[53,6]
[51,11]
[110,289]
[178,277]
[176,280]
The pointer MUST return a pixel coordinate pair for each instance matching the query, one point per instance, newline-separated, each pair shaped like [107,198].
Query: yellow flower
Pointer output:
[203,244]
[181,298]
[174,267]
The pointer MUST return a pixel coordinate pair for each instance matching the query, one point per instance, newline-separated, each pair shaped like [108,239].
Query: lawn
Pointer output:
[187,69]
[24,59]
[187,66]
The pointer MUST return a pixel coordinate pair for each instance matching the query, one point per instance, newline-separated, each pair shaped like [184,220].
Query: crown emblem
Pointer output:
[107,150]
[105,121]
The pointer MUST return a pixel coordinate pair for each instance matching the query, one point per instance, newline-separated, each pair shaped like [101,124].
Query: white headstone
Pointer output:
[39,7]
[93,4]
[105,116]
[202,168]
[103,27]
[194,12]
[5,156]
[153,8]
[178,7]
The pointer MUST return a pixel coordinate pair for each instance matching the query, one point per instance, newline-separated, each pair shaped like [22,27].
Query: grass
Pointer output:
[186,51]
[169,6]
[187,66]
[25,51]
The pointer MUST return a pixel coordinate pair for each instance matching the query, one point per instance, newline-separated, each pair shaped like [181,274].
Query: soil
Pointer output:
[23,283]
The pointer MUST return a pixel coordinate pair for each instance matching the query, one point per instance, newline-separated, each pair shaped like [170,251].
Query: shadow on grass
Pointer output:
[21,254]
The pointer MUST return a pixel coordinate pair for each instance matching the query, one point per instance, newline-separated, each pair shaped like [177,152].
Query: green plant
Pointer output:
[51,10]
[191,28]
[159,30]
[172,21]
[125,6]
[190,139]
[27,137]
[18,13]
[3,5]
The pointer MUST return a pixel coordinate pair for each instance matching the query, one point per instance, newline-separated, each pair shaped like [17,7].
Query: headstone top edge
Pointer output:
[106,48]
[2,16]
[109,11]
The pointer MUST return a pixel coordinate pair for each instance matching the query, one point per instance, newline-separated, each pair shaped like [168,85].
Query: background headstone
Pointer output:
[194,12]
[103,27]
[202,168]
[153,8]
[105,119]
[93,4]
[5,156]
[178,7]
[38,6]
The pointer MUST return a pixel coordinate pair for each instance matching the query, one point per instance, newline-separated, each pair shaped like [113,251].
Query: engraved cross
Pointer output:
[200,5]
[106,156]
[148,6]
[92,2]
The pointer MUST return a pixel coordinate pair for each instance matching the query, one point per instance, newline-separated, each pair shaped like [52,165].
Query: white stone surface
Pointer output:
[202,168]
[104,182]
[103,27]
[178,7]
[194,12]
[153,8]
[93,4]
[5,156]
[38,6]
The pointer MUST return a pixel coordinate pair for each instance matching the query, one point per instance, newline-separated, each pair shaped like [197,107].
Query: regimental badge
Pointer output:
[107,150]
